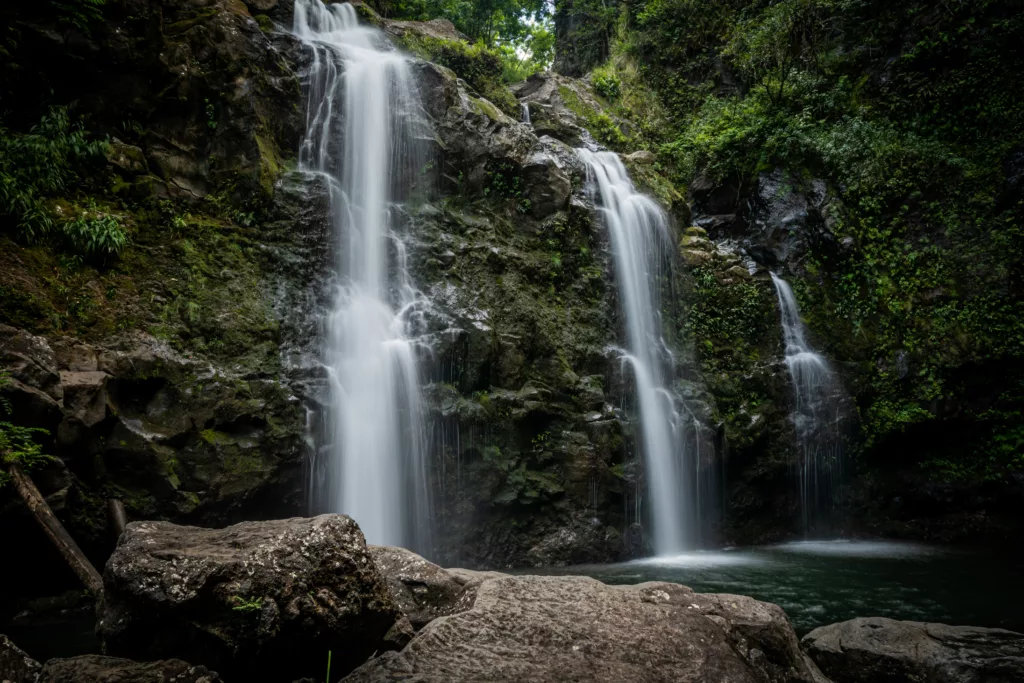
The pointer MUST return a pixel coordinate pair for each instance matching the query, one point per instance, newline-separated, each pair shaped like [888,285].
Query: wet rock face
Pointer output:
[775,223]
[879,650]
[97,669]
[578,629]
[15,665]
[263,599]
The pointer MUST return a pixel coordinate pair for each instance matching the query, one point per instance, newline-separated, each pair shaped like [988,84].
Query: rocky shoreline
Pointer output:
[269,600]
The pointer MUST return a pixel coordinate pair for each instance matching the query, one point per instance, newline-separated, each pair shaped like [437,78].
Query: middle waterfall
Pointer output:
[640,235]
[361,116]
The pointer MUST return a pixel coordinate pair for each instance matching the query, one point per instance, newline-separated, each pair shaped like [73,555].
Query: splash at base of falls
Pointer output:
[819,417]
[361,118]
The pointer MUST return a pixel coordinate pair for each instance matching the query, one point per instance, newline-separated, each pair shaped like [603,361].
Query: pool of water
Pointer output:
[822,582]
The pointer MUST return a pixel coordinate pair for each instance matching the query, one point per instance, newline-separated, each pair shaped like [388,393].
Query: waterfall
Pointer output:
[640,237]
[362,110]
[526,114]
[818,415]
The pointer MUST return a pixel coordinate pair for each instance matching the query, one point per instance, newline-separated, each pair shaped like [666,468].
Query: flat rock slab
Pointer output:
[264,600]
[534,628]
[97,669]
[879,650]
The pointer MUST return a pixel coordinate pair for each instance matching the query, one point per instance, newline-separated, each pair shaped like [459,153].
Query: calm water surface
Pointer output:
[822,582]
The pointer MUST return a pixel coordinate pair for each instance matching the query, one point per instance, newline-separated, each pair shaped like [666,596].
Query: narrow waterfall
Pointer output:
[640,235]
[526,114]
[818,416]
[361,116]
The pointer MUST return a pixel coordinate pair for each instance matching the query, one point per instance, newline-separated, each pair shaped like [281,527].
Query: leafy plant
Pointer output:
[607,83]
[17,444]
[98,236]
[40,164]
[243,605]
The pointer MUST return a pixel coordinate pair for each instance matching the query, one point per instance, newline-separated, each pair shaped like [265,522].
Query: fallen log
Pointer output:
[66,545]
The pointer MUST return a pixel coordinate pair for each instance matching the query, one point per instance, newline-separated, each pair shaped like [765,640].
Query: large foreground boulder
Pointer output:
[265,600]
[97,669]
[15,665]
[878,650]
[534,628]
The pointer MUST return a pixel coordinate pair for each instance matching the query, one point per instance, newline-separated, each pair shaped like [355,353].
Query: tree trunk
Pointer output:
[40,509]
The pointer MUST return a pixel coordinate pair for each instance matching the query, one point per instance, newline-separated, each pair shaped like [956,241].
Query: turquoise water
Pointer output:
[822,582]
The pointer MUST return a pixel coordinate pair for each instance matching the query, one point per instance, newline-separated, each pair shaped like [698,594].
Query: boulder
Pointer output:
[879,650]
[98,669]
[261,599]
[15,665]
[422,590]
[534,628]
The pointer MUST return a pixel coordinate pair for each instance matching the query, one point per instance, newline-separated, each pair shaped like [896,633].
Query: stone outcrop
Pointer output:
[15,665]
[263,599]
[422,590]
[532,628]
[98,669]
[879,650]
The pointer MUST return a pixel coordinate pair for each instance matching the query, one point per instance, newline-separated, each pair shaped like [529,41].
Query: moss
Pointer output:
[478,65]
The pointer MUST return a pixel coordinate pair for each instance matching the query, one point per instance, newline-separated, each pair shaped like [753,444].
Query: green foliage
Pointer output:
[601,125]
[909,112]
[18,445]
[40,164]
[490,21]
[240,604]
[607,84]
[82,15]
[483,68]
[96,236]
[517,483]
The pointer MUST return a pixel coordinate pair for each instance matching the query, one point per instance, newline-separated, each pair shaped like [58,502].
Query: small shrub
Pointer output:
[97,237]
[607,84]
[41,164]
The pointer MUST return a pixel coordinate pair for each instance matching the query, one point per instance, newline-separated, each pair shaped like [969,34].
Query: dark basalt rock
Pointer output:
[263,599]
[98,669]
[15,665]
[879,650]
[533,628]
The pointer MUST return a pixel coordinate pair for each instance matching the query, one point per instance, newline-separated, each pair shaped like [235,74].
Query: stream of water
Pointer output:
[640,234]
[818,417]
[361,117]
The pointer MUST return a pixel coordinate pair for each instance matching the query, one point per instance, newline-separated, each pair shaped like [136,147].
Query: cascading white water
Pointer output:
[818,414]
[526,114]
[640,235]
[361,115]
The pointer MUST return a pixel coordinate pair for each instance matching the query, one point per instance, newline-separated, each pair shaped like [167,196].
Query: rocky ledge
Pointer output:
[269,600]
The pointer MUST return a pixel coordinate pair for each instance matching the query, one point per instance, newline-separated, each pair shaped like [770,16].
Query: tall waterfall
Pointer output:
[818,415]
[640,235]
[362,110]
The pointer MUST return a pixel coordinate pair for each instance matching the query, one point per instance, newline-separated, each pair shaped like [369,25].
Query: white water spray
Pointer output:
[640,236]
[361,114]
[526,114]
[818,414]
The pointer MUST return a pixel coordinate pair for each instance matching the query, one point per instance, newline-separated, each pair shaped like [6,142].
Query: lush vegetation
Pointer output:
[39,171]
[18,444]
[911,113]
[517,34]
